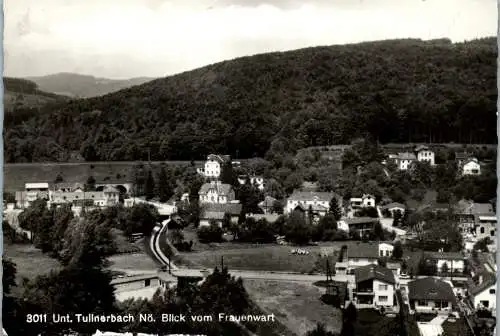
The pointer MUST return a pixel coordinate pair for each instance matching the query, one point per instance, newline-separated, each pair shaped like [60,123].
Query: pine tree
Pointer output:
[335,209]
[165,187]
[150,186]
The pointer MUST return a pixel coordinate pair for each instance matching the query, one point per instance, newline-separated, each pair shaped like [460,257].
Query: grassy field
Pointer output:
[30,262]
[298,306]
[134,261]
[17,174]
[264,257]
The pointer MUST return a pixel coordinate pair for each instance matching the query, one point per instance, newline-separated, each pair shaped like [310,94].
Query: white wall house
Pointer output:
[213,166]
[368,200]
[216,192]
[141,286]
[362,254]
[454,261]
[374,287]
[319,201]
[405,160]
[424,154]
[485,227]
[484,297]
[471,167]
[431,295]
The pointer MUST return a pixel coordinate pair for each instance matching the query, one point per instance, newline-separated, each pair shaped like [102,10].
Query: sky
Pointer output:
[157,38]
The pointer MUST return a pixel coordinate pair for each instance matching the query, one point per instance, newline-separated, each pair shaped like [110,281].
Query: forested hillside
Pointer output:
[21,93]
[396,91]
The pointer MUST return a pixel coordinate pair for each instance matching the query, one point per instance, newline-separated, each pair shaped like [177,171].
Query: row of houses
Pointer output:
[374,285]
[466,164]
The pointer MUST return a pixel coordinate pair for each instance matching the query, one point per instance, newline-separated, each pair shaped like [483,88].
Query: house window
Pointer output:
[381,253]
[482,230]
[485,303]
[382,287]
[147,282]
[383,298]
[422,303]
[492,233]
[492,291]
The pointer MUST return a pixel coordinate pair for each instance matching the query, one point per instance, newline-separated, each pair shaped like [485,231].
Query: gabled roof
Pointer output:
[489,279]
[471,208]
[313,207]
[219,188]
[41,185]
[421,148]
[110,189]
[430,289]
[461,155]
[219,158]
[374,272]
[312,195]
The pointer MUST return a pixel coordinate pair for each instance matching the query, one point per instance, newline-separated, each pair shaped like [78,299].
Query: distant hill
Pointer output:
[21,93]
[83,86]
[269,104]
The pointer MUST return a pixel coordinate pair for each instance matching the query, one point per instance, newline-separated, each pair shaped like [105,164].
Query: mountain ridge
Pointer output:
[275,103]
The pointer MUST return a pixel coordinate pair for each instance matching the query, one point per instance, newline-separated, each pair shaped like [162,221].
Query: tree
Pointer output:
[165,186]
[398,251]
[141,218]
[444,268]
[378,231]
[335,208]
[38,219]
[350,316]
[90,184]
[326,230]
[320,330]
[62,217]
[149,188]
[228,175]
[277,207]
[297,230]
[427,266]
[397,218]
[59,179]
[211,233]
[382,261]
[8,275]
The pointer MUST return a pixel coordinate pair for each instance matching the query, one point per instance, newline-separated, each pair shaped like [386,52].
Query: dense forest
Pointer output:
[394,91]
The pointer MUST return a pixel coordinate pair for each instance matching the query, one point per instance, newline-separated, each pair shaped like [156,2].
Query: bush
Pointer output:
[210,234]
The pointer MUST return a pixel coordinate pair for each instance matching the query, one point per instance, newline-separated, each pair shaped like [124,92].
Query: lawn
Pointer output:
[30,262]
[134,262]
[457,328]
[258,257]
[298,306]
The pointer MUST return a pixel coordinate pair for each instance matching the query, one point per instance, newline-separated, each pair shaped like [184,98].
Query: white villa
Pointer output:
[213,166]
[318,202]
[362,202]
[424,154]
[404,160]
[471,167]
[216,192]
[362,254]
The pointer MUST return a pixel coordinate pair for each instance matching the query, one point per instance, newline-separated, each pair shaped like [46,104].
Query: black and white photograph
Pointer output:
[249,167]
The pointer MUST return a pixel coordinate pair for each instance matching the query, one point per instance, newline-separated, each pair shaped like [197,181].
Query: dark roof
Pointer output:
[461,156]
[474,287]
[374,272]
[363,250]
[232,208]
[406,156]
[134,278]
[446,255]
[219,158]
[430,289]
[268,202]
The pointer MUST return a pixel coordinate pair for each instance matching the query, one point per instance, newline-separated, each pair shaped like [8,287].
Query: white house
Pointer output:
[471,167]
[424,154]
[213,166]
[405,160]
[482,292]
[319,202]
[141,286]
[431,295]
[216,212]
[216,192]
[362,254]
[368,200]
[374,287]
[32,192]
[455,261]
